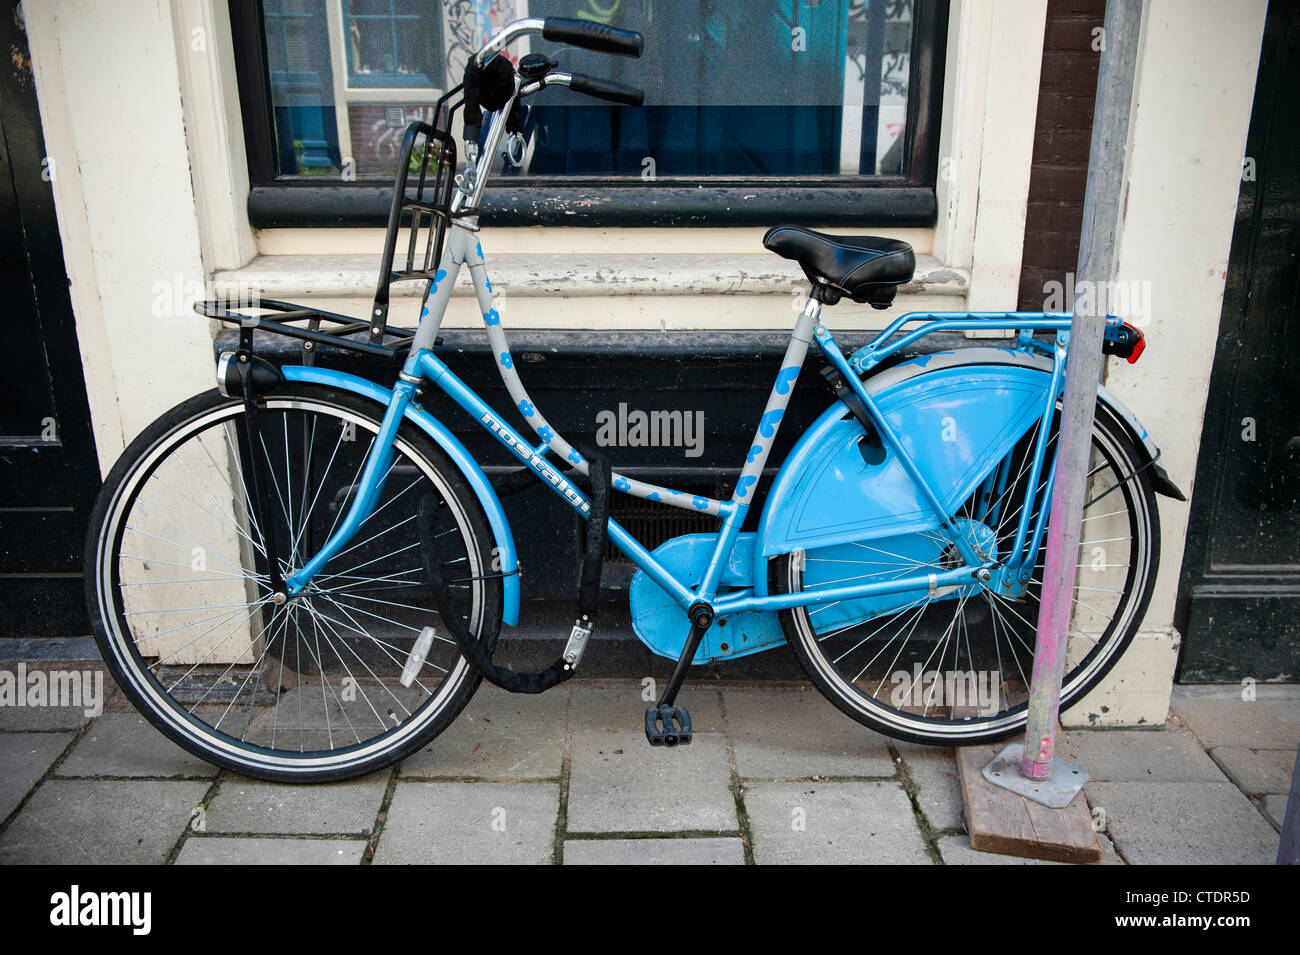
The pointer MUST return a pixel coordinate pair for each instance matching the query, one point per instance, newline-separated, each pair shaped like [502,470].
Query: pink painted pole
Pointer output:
[1101,216]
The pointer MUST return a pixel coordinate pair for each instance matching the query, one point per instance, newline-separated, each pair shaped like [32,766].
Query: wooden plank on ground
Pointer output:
[1005,822]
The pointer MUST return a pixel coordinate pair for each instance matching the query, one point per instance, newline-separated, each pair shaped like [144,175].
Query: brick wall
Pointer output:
[1066,94]
[377,130]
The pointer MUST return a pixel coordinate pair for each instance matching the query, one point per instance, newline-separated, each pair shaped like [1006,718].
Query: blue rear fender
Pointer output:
[464,461]
[957,414]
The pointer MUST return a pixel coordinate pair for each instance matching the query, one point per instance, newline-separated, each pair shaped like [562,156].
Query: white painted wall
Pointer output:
[961,132]
[214,128]
[108,79]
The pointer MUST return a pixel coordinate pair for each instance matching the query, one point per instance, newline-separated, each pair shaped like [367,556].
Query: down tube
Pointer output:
[433,369]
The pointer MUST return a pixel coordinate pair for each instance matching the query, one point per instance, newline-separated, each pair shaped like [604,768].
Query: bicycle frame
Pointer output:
[423,366]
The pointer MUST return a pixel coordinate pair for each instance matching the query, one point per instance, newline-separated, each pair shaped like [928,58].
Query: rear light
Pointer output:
[1125,341]
[1139,345]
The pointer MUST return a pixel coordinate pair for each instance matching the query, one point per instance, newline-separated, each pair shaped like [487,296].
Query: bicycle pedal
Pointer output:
[668,726]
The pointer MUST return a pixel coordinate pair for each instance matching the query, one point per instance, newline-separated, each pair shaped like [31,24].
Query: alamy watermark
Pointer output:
[82,689]
[75,907]
[635,428]
[176,297]
[976,689]
[1128,300]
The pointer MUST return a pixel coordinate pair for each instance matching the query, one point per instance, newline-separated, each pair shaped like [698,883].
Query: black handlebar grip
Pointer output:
[592,36]
[606,89]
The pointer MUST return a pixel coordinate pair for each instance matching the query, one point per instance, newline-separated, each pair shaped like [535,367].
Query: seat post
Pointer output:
[824,294]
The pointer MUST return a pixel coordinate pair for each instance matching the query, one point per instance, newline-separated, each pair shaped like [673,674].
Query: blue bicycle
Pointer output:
[302,574]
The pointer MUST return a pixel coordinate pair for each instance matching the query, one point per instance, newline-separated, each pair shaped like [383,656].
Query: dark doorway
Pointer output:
[48,469]
[1239,595]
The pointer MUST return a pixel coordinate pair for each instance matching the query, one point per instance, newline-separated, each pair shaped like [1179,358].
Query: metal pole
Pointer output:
[1096,269]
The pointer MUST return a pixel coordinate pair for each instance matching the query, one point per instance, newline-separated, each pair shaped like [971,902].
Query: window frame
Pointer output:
[901,201]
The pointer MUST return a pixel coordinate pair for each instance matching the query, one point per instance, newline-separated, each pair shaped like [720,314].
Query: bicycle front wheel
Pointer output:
[311,689]
[952,665]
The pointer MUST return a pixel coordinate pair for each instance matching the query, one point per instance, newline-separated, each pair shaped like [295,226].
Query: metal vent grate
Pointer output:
[652,524]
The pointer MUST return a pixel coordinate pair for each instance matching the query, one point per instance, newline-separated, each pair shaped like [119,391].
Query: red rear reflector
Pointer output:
[1138,346]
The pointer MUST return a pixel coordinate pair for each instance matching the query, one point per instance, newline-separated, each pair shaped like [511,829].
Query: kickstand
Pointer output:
[666,724]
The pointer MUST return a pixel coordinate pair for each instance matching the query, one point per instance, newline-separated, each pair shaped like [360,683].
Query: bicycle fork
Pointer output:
[255,467]
[379,460]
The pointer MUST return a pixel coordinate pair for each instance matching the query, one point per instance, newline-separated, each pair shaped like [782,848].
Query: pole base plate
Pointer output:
[1056,791]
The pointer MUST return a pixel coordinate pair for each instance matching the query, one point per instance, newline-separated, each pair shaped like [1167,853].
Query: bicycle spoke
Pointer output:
[323,577]
[382,644]
[193,623]
[326,617]
[207,551]
[319,617]
[320,485]
[915,619]
[874,632]
[215,647]
[248,498]
[229,518]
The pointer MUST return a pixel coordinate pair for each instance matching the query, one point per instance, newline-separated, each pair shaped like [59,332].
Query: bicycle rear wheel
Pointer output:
[311,689]
[952,665]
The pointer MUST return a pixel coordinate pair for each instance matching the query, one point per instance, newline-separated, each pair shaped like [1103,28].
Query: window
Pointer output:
[765,88]
[393,43]
[301,88]
[825,107]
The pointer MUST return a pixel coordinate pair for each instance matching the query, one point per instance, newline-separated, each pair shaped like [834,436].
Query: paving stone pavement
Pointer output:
[484,823]
[499,735]
[842,823]
[703,851]
[98,822]
[1275,809]
[245,805]
[775,775]
[25,758]
[618,783]
[1256,772]
[1176,823]
[791,732]
[126,744]
[236,850]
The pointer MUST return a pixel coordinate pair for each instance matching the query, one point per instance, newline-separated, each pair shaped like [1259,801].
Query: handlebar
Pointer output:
[586,34]
[581,33]
[497,86]
[590,85]
[593,36]
[606,89]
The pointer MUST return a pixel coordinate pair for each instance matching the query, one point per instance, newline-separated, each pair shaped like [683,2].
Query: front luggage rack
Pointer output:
[426,166]
[324,328]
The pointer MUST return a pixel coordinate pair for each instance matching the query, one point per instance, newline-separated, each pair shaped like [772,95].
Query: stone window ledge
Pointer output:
[345,276]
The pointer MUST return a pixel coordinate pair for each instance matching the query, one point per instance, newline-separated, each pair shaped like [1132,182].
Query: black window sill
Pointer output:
[308,205]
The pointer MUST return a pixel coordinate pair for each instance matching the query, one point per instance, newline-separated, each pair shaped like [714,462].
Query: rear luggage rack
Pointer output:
[426,165]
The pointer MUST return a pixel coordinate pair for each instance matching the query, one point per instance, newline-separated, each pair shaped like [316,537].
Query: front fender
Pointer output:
[469,468]
[957,413]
